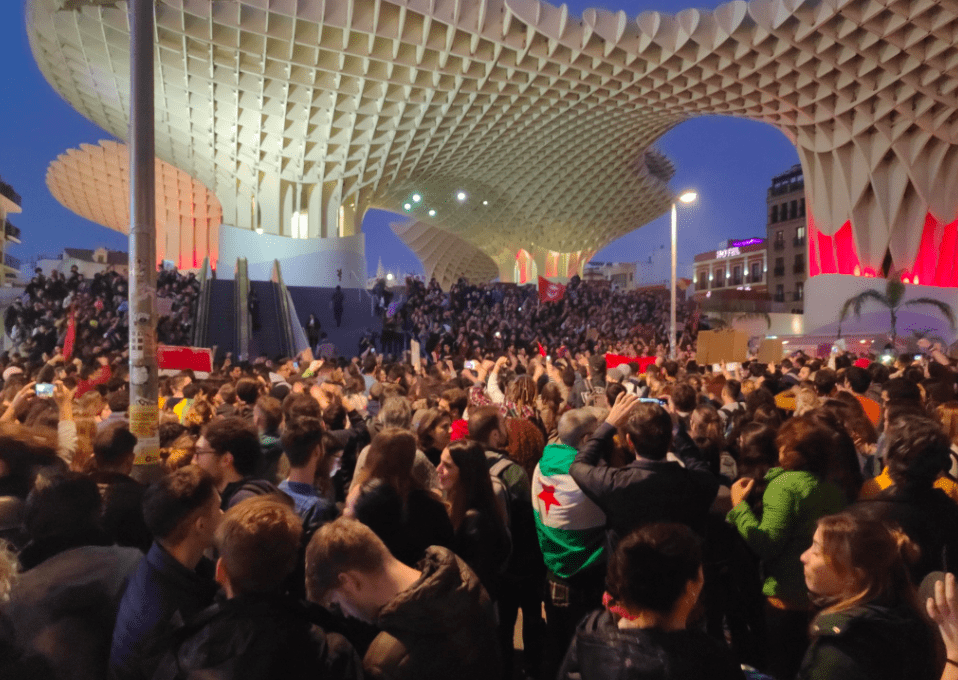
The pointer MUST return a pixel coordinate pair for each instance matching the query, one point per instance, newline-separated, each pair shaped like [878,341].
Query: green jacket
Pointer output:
[870,642]
[793,502]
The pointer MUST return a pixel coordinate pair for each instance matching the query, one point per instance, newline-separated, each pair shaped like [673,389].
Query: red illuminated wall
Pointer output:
[934,265]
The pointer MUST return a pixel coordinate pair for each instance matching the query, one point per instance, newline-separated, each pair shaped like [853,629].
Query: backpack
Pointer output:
[520,515]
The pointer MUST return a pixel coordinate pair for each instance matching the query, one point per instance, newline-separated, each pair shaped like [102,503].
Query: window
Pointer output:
[801,208]
[737,275]
[774,214]
[703,278]
[799,263]
[719,278]
[800,290]
[780,293]
[779,266]
[756,272]
[794,212]
[800,236]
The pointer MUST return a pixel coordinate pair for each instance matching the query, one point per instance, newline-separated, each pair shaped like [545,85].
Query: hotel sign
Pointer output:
[728,252]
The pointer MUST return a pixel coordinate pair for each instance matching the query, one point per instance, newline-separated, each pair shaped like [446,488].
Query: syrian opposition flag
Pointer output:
[571,527]
[550,292]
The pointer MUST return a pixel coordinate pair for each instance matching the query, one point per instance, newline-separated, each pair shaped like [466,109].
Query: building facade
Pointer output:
[787,239]
[88,262]
[737,271]
[621,275]
[9,204]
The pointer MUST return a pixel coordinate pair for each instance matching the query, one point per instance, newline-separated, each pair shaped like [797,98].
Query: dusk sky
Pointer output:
[728,161]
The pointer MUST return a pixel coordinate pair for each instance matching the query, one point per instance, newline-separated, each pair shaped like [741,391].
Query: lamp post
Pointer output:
[685,197]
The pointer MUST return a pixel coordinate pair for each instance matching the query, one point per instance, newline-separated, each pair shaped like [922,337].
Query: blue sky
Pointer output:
[728,161]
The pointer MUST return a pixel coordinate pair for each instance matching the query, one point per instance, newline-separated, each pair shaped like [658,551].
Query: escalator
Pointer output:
[221,315]
[267,336]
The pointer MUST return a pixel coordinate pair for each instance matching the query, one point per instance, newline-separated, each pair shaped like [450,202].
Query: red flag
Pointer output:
[542,350]
[71,335]
[550,292]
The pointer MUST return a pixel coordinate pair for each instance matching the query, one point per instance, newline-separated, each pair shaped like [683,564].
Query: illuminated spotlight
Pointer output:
[259,230]
[461,196]
[407,206]
[485,202]
[416,198]
[432,213]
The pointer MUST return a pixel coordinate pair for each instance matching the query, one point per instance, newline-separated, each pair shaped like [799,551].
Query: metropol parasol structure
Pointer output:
[516,137]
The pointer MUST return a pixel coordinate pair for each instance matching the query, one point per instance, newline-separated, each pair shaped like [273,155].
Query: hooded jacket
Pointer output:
[601,650]
[442,627]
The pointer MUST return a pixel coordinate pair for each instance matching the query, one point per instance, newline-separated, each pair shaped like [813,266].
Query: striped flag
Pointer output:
[571,527]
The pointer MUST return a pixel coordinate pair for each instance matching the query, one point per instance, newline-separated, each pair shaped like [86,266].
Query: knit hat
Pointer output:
[11,371]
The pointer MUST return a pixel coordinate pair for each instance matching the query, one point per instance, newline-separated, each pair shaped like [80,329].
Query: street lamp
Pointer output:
[685,197]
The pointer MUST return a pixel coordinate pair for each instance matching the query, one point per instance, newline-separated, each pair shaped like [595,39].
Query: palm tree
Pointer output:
[892,300]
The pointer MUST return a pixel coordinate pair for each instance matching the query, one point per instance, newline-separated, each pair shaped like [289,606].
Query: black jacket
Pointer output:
[602,651]
[407,530]
[64,608]
[929,518]
[123,509]
[248,487]
[441,628]
[872,642]
[258,637]
[643,491]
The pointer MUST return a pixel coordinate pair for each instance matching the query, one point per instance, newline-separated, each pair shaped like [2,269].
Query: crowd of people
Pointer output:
[472,319]
[349,518]
[38,322]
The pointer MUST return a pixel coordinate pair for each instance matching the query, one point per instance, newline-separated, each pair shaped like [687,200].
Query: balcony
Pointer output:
[798,241]
[7,192]
[755,279]
[12,233]
[735,281]
[11,261]
[779,271]
[799,268]
[779,245]
[718,283]
[779,297]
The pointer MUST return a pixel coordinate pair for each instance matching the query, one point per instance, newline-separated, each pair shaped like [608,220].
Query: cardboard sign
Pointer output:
[770,351]
[416,356]
[174,358]
[714,347]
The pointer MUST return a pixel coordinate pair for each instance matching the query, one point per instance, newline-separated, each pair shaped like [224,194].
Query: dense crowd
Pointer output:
[472,320]
[367,518]
[38,321]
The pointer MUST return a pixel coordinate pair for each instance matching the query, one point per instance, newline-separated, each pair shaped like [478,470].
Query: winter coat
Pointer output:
[643,491]
[792,504]
[159,590]
[64,608]
[406,530]
[440,628]
[258,637]
[601,650]
[927,516]
[871,642]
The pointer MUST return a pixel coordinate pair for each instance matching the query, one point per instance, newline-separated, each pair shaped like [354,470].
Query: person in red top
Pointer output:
[857,379]
[91,377]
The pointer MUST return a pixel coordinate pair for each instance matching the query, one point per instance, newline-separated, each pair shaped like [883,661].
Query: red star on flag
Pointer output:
[548,496]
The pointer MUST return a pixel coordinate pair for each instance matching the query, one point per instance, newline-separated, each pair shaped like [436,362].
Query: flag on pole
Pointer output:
[71,335]
[550,292]
[542,350]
